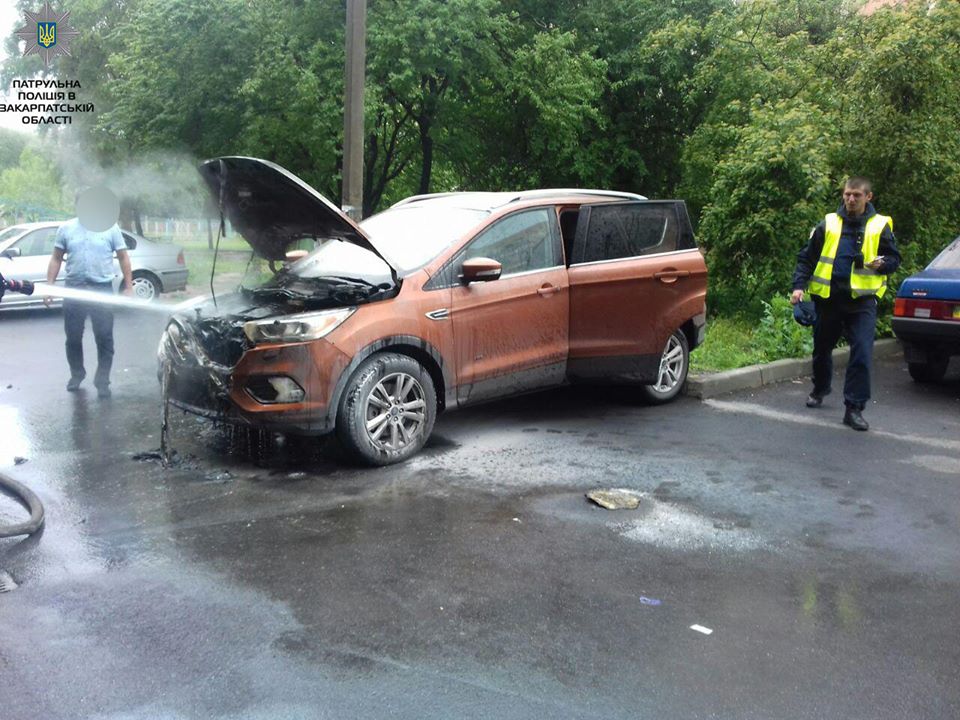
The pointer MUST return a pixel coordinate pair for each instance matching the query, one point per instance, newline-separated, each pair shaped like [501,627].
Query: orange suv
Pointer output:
[440,301]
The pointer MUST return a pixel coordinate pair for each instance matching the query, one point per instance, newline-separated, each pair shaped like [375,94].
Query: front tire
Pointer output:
[387,410]
[931,371]
[674,364]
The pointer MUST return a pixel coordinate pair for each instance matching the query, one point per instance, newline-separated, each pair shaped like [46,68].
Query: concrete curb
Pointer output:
[707,385]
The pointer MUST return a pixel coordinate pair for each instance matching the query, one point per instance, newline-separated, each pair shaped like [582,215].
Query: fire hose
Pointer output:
[19,492]
[31,502]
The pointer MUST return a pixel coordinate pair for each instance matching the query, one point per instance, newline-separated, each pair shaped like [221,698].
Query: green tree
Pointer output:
[529,119]
[176,76]
[900,117]
[12,144]
[33,186]
[648,49]
[801,95]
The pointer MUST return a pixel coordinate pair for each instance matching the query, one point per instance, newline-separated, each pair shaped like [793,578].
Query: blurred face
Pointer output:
[855,200]
[98,208]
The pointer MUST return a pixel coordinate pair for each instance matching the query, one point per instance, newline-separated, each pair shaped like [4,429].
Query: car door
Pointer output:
[35,249]
[510,334]
[634,273]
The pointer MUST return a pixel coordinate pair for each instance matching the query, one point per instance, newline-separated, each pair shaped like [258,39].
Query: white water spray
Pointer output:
[101,298]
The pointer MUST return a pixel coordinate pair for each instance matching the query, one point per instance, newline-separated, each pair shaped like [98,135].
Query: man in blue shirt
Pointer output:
[844,266]
[88,242]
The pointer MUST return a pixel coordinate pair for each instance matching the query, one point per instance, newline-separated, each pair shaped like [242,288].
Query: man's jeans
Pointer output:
[101,318]
[856,321]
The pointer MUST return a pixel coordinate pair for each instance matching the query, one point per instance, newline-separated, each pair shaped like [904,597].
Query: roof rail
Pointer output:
[427,196]
[547,192]
[524,195]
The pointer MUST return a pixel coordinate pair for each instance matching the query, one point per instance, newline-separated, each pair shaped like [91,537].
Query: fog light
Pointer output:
[275,389]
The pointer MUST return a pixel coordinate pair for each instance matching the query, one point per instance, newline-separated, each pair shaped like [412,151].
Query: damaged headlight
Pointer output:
[172,340]
[296,328]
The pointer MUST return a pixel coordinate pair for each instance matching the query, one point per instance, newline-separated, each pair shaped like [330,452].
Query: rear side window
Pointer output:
[624,230]
[949,259]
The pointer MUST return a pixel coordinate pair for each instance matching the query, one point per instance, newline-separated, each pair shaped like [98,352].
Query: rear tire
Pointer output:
[931,371]
[674,364]
[145,287]
[387,410]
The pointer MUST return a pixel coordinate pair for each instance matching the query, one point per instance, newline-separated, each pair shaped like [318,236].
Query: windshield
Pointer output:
[410,236]
[949,259]
[337,258]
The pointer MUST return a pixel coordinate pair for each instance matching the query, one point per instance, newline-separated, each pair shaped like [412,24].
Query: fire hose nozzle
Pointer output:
[20,286]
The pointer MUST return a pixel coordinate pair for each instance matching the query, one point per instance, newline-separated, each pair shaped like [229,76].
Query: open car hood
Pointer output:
[271,207]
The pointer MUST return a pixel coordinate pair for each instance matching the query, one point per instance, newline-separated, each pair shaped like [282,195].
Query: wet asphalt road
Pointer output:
[475,581]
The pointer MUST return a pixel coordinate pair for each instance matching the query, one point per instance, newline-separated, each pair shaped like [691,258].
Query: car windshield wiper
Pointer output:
[354,281]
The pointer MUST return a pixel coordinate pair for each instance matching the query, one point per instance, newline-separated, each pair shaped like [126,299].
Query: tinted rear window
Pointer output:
[632,229]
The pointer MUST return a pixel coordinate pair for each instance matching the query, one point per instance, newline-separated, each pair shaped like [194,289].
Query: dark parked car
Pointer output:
[439,302]
[25,252]
[926,316]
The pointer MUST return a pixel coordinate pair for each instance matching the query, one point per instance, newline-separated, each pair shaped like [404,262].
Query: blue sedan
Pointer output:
[926,316]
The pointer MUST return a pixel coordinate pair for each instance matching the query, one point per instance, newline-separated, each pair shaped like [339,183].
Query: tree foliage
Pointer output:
[802,95]
[31,187]
[752,110]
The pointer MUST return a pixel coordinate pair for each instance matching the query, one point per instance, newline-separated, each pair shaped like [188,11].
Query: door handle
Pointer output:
[547,290]
[671,276]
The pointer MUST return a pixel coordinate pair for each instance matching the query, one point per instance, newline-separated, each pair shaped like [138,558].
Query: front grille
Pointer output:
[202,389]
[222,343]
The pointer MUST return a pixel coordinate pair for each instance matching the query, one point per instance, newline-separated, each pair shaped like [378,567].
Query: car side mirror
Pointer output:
[480,269]
[10,253]
[130,242]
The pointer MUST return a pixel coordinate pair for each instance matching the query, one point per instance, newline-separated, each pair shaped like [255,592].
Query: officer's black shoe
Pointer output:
[815,400]
[854,419]
[74,383]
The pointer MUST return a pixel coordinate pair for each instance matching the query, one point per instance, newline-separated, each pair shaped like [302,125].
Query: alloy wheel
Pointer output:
[672,366]
[395,412]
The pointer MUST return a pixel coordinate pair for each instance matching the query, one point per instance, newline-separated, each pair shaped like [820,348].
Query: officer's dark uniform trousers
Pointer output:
[855,320]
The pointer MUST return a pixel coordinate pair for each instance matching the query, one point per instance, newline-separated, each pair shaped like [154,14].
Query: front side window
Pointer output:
[629,230]
[521,242]
[39,242]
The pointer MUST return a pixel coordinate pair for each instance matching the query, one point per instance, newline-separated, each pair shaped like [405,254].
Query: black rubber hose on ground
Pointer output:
[31,502]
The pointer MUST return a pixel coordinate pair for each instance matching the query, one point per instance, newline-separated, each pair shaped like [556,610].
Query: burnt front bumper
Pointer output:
[232,391]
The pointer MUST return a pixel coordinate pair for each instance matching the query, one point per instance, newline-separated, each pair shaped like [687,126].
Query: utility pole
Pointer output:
[356,52]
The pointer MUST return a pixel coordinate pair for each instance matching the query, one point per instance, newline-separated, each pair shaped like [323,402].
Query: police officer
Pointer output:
[844,267]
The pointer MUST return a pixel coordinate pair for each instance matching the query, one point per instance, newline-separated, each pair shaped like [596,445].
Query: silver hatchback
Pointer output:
[25,252]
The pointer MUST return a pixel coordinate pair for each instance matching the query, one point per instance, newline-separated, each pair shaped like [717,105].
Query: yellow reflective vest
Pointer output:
[863,281]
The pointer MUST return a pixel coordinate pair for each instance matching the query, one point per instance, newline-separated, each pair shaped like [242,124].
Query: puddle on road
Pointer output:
[670,526]
[220,453]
